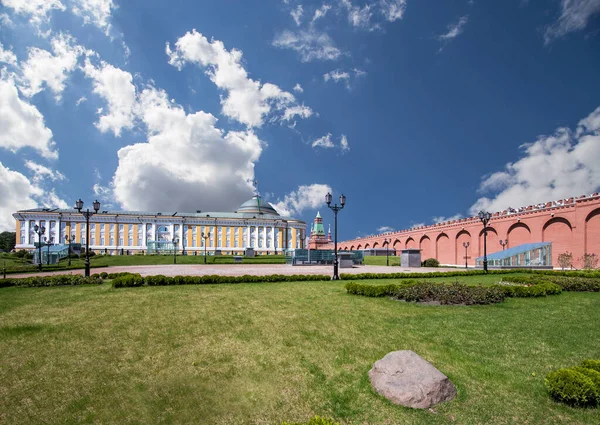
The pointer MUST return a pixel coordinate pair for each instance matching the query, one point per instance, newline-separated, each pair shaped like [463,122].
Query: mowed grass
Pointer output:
[19,265]
[370,260]
[269,352]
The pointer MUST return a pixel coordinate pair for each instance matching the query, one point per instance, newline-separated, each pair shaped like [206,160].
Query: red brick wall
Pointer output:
[573,226]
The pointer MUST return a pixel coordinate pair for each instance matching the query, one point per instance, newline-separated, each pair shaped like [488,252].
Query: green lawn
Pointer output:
[14,265]
[381,261]
[269,352]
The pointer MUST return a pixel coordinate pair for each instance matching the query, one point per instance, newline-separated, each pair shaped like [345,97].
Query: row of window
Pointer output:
[263,236]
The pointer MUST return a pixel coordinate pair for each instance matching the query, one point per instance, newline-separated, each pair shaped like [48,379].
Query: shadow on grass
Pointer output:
[18,330]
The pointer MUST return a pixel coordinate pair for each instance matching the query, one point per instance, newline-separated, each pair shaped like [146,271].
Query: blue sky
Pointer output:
[418,111]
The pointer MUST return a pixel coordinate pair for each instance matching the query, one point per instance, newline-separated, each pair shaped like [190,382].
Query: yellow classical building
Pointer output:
[255,224]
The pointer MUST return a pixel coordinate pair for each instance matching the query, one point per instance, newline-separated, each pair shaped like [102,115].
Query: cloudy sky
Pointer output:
[418,111]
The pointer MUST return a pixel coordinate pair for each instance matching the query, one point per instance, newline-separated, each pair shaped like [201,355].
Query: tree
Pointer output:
[8,241]
[565,260]
[589,261]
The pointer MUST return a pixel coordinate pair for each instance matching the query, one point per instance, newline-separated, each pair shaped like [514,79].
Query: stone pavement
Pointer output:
[239,270]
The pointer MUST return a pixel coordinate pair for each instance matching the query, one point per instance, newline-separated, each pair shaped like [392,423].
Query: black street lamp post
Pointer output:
[70,240]
[503,243]
[335,210]
[485,218]
[387,241]
[466,245]
[205,237]
[40,231]
[87,214]
[48,243]
[175,242]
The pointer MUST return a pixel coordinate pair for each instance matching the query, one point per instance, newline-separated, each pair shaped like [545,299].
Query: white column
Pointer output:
[154,231]
[247,236]
[144,241]
[272,236]
[27,232]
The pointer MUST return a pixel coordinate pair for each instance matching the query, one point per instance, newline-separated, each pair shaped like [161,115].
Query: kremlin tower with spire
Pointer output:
[317,234]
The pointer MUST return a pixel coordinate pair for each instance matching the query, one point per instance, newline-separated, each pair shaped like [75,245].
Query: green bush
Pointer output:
[372,290]
[594,375]
[567,283]
[315,420]
[591,364]
[55,280]
[523,291]
[431,262]
[571,387]
[160,280]
[104,275]
[128,281]
[454,293]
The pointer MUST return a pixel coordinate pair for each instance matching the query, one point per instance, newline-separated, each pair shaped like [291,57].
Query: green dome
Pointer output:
[256,206]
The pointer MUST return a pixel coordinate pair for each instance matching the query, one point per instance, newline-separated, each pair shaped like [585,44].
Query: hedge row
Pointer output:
[55,280]
[523,291]
[457,273]
[133,280]
[577,386]
[454,293]
[567,283]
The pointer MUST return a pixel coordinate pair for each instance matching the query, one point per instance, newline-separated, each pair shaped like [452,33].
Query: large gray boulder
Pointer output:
[407,379]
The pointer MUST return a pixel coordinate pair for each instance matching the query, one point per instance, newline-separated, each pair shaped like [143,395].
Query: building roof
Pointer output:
[257,206]
[268,213]
[519,249]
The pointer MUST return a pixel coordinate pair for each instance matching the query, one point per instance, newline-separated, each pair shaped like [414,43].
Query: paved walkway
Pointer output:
[238,270]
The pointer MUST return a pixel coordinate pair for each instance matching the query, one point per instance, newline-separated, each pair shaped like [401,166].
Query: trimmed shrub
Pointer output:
[523,291]
[567,283]
[455,293]
[372,290]
[104,275]
[591,364]
[594,375]
[315,420]
[431,262]
[571,387]
[128,281]
[55,280]
[160,280]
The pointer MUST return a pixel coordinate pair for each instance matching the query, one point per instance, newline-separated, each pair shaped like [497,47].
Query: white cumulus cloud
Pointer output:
[564,164]
[16,193]
[186,164]
[41,173]
[247,101]
[306,197]
[7,56]
[38,11]
[298,88]
[116,87]
[51,69]
[21,123]
[95,12]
